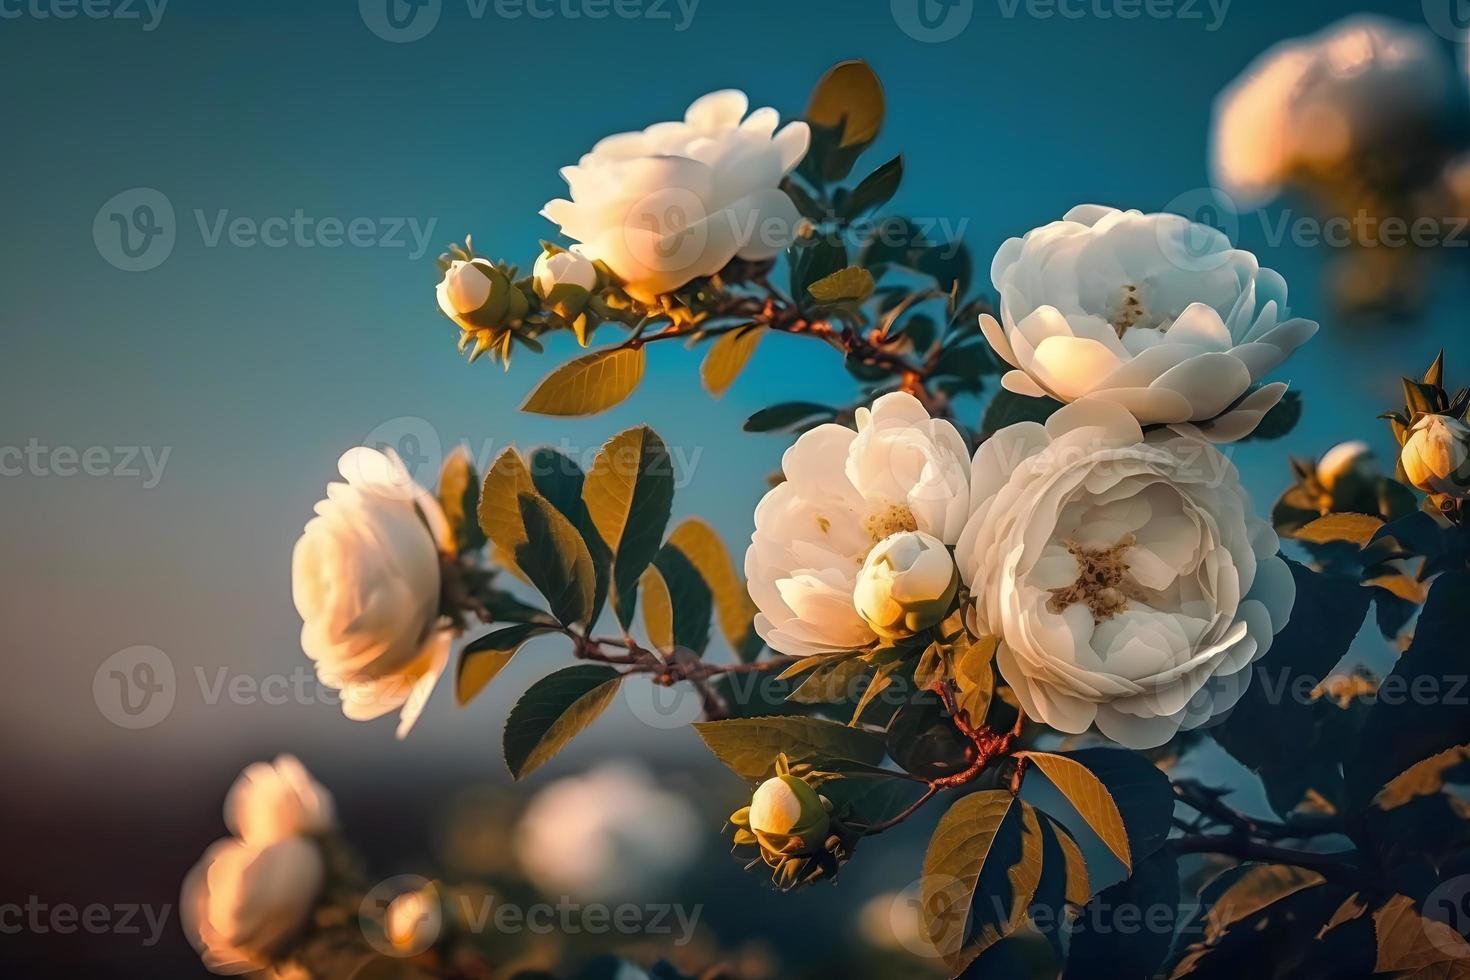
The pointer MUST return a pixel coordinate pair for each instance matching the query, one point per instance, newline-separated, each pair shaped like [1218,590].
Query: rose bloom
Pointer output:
[1152,311]
[1364,86]
[271,801]
[845,493]
[250,894]
[365,578]
[1129,580]
[679,200]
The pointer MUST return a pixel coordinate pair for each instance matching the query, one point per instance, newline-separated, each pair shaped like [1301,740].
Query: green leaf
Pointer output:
[1126,931]
[876,189]
[1250,888]
[1122,796]
[981,870]
[749,746]
[853,283]
[1421,707]
[1090,798]
[727,357]
[459,498]
[733,606]
[554,711]
[814,259]
[500,509]
[556,561]
[1008,408]
[589,384]
[484,658]
[629,495]
[691,603]
[974,677]
[560,480]
[788,415]
[1357,529]
[1270,729]
[1064,882]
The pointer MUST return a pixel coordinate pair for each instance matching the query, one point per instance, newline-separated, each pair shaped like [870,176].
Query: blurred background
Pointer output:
[173,400]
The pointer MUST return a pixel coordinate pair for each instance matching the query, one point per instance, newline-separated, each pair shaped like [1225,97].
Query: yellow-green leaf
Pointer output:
[1091,799]
[555,559]
[658,609]
[589,384]
[1356,529]
[500,509]
[727,357]
[484,658]
[749,746]
[733,606]
[629,493]
[1425,778]
[849,95]
[555,710]
[853,283]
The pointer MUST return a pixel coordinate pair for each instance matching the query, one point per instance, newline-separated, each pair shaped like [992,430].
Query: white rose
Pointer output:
[906,584]
[272,801]
[1436,456]
[240,903]
[1129,579]
[1154,312]
[563,268]
[679,200]
[1363,85]
[844,493]
[612,833]
[365,579]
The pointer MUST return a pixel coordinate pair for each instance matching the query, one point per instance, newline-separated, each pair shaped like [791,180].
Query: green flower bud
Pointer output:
[478,295]
[787,816]
[907,584]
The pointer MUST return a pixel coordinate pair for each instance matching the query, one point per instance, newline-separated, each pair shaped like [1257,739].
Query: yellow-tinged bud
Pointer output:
[907,584]
[1436,456]
[787,816]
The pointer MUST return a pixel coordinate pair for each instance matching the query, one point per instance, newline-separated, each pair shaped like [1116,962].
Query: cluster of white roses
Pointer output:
[252,892]
[1125,572]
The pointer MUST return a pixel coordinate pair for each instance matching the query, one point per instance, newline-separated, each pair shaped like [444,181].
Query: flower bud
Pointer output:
[563,269]
[477,295]
[414,921]
[786,815]
[1436,456]
[906,584]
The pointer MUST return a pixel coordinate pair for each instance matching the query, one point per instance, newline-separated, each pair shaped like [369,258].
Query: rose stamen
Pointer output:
[1131,311]
[890,520]
[1103,584]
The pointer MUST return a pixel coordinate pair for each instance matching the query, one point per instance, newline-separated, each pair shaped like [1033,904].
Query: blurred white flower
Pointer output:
[844,493]
[1153,312]
[612,833]
[365,578]
[570,268]
[272,801]
[414,921]
[906,584]
[1436,456]
[1364,85]
[679,200]
[1344,459]
[241,903]
[1129,580]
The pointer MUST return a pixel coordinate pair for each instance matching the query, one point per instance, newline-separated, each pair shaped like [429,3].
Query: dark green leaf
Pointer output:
[876,189]
[629,495]
[554,711]
[1008,408]
[749,746]
[1280,420]
[1126,931]
[1142,800]
[690,599]
[1090,798]
[556,561]
[560,480]
[733,606]
[787,415]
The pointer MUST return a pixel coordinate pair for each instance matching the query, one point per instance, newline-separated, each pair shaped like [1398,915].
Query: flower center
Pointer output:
[1102,585]
[1131,311]
[890,520]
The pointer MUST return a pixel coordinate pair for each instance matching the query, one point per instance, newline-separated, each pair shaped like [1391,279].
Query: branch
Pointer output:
[1339,867]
